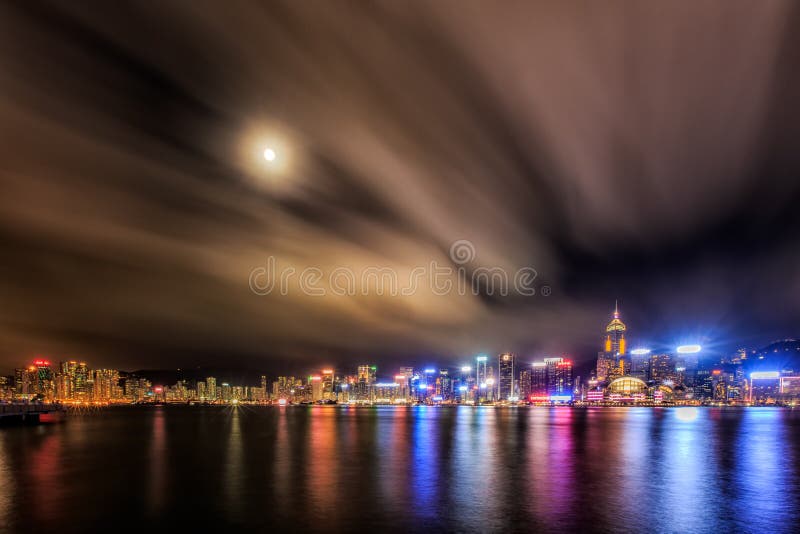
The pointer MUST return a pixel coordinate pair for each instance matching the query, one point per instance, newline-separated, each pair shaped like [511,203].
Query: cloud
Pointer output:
[617,150]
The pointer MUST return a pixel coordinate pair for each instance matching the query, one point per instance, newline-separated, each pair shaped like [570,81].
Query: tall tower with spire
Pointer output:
[612,361]
[615,334]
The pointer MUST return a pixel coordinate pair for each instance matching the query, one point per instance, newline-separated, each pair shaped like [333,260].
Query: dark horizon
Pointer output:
[622,152]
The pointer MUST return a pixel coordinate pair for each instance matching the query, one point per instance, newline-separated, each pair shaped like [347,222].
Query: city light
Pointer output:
[663,379]
[687,415]
[765,375]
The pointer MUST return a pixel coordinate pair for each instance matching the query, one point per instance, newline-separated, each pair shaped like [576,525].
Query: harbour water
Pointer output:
[404,469]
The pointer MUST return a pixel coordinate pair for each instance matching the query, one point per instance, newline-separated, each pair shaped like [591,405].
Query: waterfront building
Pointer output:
[327,384]
[481,377]
[613,360]
[24,383]
[226,392]
[538,379]
[366,377]
[444,385]
[627,389]
[662,369]
[605,365]
[211,388]
[563,378]
[316,385]
[525,384]
[615,335]
[106,385]
[505,376]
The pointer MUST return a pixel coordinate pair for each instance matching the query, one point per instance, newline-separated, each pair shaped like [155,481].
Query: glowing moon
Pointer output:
[269,154]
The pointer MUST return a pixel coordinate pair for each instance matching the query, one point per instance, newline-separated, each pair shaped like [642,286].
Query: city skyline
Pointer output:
[625,372]
[382,266]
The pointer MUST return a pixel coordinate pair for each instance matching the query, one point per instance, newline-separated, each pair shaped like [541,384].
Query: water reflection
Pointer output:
[470,469]
[767,479]
[323,468]
[6,483]
[234,472]
[157,491]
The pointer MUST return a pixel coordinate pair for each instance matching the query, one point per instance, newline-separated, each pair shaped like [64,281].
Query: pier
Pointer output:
[29,412]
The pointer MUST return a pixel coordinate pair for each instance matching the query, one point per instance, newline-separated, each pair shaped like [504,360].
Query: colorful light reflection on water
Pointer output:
[407,469]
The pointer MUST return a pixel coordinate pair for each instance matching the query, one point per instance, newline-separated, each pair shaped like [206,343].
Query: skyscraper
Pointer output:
[662,369]
[550,365]
[615,335]
[563,379]
[505,376]
[539,379]
[613,361]
[366,377]
[327,384]
[525,384]
[82,387]
[481,377]
[211,388]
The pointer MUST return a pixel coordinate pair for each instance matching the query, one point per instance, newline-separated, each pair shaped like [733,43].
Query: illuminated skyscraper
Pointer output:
[466,385]
[525,384]
[550,364]
[615,335]
[24,381]
[211,388]
[662,369]
[327,384]
[505,376]
[367,373]
[317,386]
[366,377]
[563,380]
[41,378]
[106,385]
[539,379]
[82,382]
[481,377]
[613,361]
[444,385]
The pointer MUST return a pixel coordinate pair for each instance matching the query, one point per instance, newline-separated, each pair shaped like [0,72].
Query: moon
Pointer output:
[269,154]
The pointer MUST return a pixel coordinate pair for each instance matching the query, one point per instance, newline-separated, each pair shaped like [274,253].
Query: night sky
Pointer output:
[646,152]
